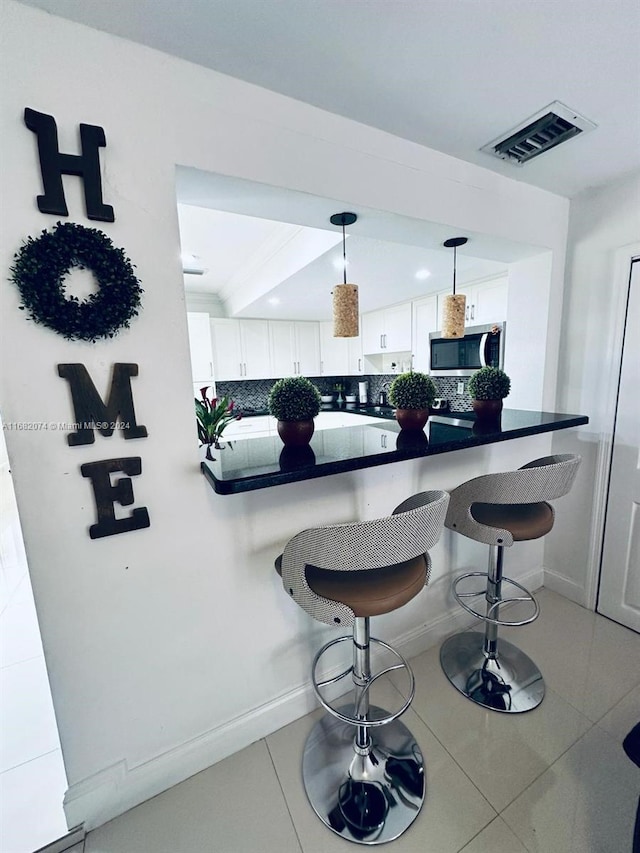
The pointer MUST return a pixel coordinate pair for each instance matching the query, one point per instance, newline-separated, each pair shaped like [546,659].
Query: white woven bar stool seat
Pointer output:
[500,509]
[362,769]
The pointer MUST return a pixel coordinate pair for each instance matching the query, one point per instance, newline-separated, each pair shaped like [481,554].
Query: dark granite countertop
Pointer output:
[257,463]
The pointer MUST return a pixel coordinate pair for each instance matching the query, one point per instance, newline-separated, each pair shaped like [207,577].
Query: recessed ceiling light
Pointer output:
[422,274]
[273,300]
[339,262]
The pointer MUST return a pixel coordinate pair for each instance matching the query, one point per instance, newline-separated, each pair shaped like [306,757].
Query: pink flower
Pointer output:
[230,407]
[203,392]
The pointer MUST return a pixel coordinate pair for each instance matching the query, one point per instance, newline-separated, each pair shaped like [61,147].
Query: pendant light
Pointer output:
[345,296]
[455,303]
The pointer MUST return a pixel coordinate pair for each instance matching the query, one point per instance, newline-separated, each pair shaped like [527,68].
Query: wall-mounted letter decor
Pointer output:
[53,165]
[39,270]
[120,492]
[91,412]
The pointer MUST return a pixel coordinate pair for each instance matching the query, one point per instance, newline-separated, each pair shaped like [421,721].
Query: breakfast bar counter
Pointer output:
[258,463]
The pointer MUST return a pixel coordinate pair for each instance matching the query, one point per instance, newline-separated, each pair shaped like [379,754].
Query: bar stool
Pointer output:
[362,769]
[500,509]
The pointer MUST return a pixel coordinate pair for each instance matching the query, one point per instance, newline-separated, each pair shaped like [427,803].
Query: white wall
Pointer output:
[168,648]
[602,223]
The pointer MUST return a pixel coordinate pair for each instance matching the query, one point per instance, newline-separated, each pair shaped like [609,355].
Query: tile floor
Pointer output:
[555,780]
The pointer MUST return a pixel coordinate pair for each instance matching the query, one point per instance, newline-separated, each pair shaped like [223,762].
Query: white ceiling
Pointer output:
[448,74]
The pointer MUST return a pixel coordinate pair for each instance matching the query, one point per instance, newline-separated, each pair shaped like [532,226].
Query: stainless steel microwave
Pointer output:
[481,346]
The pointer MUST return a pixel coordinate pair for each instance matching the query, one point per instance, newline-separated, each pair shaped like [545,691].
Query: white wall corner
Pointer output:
[116,789]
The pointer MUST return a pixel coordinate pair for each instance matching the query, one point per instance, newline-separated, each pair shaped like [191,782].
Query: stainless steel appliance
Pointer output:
[481,346]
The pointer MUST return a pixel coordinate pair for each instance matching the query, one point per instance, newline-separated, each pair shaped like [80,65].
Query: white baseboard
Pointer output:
[118,788]
[566,587]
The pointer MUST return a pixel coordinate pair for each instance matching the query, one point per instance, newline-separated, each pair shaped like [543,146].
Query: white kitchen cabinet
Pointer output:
[295,348]
[355,356]
[339,356]
[425,321]
[255,427]
[334,352]
[486,302]
[388,330]
[377,439]
[338,441]
[200,347]
[240,348]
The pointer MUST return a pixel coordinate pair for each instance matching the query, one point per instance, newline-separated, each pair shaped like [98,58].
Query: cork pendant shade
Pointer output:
[345,296]
[454,303]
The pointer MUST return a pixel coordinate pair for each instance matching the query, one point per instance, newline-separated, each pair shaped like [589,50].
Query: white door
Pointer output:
[619,596]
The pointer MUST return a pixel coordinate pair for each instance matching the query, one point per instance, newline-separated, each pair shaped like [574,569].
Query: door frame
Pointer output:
[608,393]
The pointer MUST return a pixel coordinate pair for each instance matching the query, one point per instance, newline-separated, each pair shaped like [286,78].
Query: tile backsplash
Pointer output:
[253,393]
[448,389]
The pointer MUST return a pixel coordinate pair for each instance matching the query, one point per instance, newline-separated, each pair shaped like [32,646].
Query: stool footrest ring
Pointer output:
[487,617]
[355,719]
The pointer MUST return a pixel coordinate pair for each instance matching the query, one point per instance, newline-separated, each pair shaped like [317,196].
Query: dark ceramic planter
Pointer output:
[296,433]
[487,409]
[412,419]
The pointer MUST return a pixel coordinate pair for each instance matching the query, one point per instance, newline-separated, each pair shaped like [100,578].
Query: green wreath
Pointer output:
[42,264]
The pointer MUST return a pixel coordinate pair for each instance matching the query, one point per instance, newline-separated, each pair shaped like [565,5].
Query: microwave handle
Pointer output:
[483,349]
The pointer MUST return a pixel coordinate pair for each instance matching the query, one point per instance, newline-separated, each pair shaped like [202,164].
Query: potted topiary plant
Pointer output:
[294,401]
[412,394]
[487,388]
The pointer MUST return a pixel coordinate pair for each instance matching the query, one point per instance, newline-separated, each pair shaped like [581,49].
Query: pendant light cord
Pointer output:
[454,269]
[344,255]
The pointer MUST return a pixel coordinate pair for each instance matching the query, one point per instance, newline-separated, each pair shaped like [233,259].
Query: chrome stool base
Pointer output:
[510,683]
[368,799]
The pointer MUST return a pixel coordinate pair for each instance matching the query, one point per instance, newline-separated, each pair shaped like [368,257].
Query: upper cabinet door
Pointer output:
[490,301]
[227,349]
[307,338]
[240,348]
[425,321]
[200,347]
[388,330]
[373,332]
[486,302]
[255,349]
[397,328]
[356,360]
[334,353]
[282,343]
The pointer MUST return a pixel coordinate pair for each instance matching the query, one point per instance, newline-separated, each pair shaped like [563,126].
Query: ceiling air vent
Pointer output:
[549,127]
